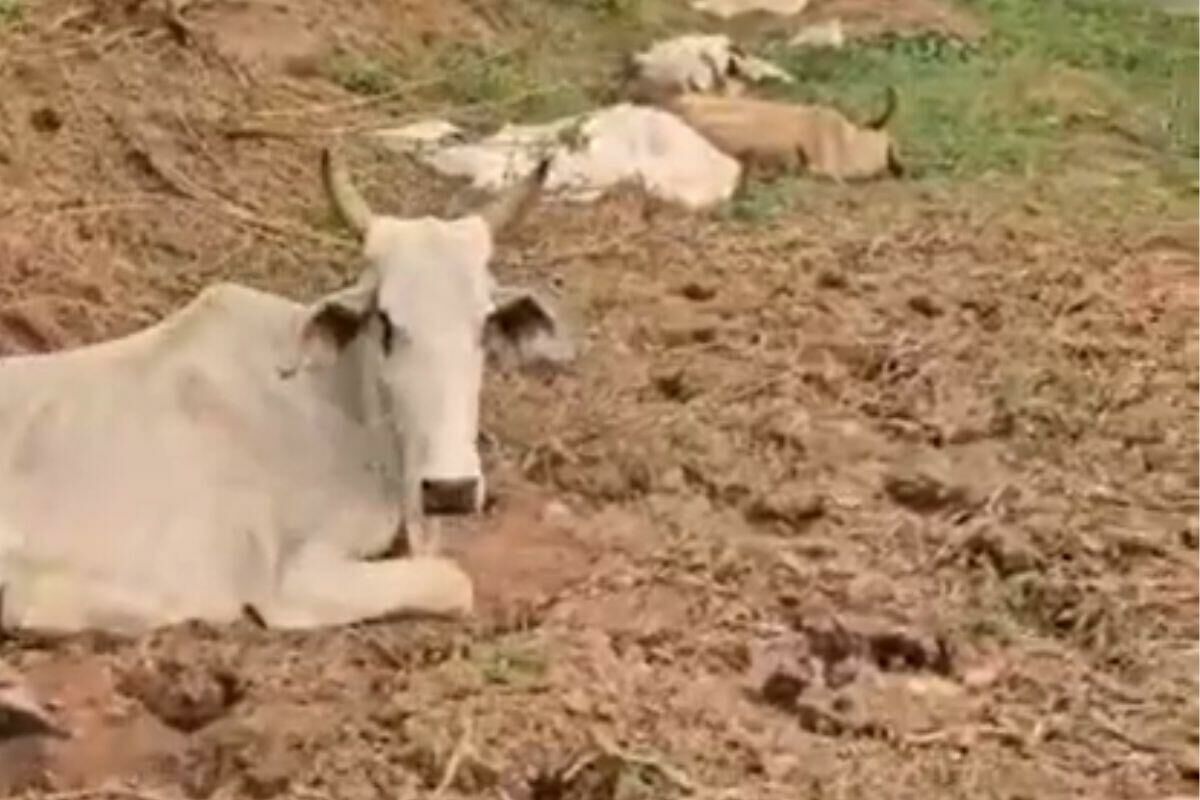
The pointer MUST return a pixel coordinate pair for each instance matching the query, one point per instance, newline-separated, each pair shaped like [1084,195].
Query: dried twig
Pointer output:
[257,130]
[455,761]
[69,17]
[281,227]
[268,132]
[183,186]
[179,28]
[1114,730]
[383,97]
[964,737]
[103,794]
[384,652]
[151,160]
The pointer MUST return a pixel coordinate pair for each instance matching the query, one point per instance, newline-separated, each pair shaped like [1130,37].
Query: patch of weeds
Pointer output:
[560,100]
[638,781]
[515,665]
[761,201]
[616,9]
[606,18]
[987,612]
[609,776]
[360,74]
[1036,95]
[507,85]
[12,12]
[475,76]
[569,66]
[993,627]
[324,220]
[1064,609]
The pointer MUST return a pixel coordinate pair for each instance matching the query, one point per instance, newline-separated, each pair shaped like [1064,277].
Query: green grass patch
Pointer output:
[511,85]
[566,59]
[761,201]
[519,665]
[12,12]
[361,74]
[1107,77]
[1092,100]
[1095,100]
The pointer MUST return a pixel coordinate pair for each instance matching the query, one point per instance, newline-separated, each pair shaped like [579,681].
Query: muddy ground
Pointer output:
[892,496]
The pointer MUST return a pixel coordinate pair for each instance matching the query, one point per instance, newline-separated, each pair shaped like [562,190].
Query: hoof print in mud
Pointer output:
[792,506]
[608,775]
[186,697]
[1008,551]
[595,781]
[924,492]
[827,674]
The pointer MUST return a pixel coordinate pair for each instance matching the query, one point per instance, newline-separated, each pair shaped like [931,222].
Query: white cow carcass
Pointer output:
[251,452]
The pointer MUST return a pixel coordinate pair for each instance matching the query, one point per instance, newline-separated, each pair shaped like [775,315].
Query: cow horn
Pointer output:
[512,203]
[350,205]
[888,110]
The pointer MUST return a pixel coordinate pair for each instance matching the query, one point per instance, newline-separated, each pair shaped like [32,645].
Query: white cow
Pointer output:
[248,452]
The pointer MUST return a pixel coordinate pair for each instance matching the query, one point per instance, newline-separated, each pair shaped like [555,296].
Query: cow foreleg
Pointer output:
[424,536]
[323,587]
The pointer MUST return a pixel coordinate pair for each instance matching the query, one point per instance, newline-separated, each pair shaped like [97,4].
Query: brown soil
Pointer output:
[893,497]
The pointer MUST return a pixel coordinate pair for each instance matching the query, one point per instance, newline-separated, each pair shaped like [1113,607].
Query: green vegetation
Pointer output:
[513,84]
[761,201]
[514,664]
[11,12]
[1053,83]
[360,74]
[1102,91]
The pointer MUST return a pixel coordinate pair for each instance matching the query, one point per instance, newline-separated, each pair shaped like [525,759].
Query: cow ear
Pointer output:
[334,321]
[524,327]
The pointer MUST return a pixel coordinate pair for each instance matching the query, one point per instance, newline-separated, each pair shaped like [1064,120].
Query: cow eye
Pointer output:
[388,331]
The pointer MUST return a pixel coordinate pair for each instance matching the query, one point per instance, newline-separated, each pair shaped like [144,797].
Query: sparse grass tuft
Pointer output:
[11,12]
[568,66]
[511,664]
[518,84]
[474,76]
[761,201]
[360,74]
[623,10]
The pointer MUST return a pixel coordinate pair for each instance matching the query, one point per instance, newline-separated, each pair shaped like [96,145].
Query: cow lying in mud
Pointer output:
[248,452]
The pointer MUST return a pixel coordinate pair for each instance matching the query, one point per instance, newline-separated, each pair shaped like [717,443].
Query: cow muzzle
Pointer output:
[449,496]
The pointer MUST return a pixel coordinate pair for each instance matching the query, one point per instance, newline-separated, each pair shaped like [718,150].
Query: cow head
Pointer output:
[424,314]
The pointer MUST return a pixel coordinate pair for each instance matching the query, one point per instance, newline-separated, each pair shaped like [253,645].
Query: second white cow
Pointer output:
[251,452]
